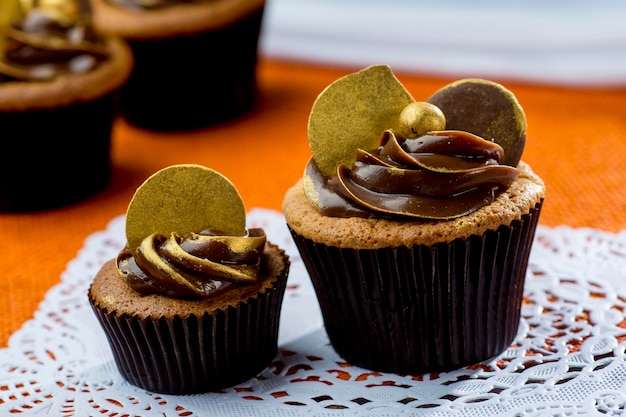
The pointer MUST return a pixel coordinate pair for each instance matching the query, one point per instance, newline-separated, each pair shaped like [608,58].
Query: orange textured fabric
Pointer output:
[576,142]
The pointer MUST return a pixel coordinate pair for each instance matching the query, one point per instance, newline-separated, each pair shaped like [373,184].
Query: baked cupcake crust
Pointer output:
[180,20]
[112,294]
[359,233]
[68,89]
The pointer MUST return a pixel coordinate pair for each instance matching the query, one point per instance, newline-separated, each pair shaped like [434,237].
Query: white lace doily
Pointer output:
[568,359]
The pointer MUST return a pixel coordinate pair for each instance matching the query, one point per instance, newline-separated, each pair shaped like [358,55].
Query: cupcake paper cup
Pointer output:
[56,175]
[421,309]
[194,80]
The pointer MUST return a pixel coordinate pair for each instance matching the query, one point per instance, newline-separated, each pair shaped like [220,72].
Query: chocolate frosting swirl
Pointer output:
[440,175]
[195,265]
[43,45]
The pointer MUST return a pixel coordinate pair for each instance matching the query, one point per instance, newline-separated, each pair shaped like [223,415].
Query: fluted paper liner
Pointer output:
[421,309]
[208,77]
[57,176]
[197,354]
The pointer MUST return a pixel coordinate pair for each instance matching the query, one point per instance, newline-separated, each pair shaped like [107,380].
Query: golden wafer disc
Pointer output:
[183,199]
[352,113]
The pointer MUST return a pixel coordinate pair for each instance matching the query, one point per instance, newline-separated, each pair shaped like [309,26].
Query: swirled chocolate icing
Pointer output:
[440,175]
[46,43]
[194,265]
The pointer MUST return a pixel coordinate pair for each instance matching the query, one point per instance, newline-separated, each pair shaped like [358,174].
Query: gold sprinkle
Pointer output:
[108,300]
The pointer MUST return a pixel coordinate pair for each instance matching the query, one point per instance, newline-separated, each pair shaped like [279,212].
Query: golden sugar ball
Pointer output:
[419,118]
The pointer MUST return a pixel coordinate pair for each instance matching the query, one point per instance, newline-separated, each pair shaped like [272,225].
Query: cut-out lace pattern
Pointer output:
[568,359]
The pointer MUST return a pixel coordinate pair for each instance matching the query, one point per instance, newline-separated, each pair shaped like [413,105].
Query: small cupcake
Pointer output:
[192,304]
[195,60]
[415,221]
[58,85]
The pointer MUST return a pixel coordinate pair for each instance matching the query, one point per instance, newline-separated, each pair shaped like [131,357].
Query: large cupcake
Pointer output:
[58,83]
[193,303]
[415,221]
[195,59]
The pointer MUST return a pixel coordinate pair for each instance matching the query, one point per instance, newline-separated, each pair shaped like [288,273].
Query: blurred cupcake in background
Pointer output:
[195,60]
[58,85]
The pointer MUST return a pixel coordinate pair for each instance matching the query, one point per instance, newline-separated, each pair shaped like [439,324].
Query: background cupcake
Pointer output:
[195,59]
[416,238]
[193,303]
[58,83]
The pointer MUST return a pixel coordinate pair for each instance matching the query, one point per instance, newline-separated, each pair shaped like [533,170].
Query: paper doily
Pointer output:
[568,359]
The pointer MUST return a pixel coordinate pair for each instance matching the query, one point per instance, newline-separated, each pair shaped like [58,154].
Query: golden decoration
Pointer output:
[9,11]
[182,199]
[419,118]
[352,113]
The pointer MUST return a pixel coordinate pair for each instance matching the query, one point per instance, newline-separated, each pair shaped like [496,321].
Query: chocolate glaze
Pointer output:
[440,175]
[195,265]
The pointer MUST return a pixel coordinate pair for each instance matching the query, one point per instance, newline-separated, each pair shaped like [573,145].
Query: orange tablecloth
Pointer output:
[576,142]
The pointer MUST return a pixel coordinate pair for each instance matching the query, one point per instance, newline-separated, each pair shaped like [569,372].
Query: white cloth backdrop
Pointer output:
[575,42]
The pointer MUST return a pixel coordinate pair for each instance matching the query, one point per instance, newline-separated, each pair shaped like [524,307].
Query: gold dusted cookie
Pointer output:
[183,199]
[352,113]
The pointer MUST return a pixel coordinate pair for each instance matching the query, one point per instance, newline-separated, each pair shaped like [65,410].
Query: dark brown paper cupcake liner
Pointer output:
[194,81]
[197,354]
[66,150]
[423,309]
